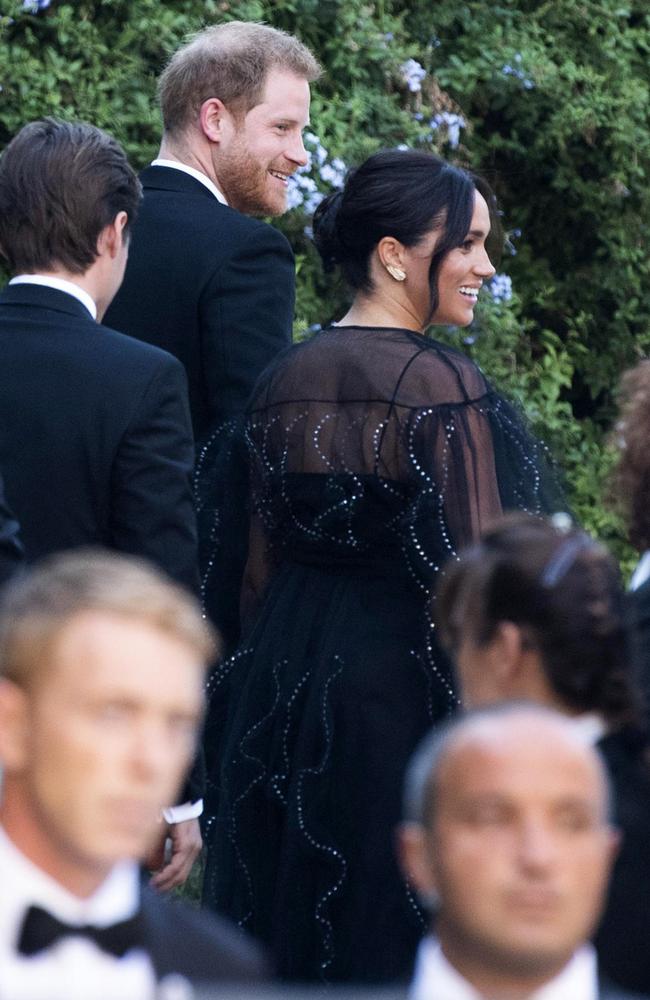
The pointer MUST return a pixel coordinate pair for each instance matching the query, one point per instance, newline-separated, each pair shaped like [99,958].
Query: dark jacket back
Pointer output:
[95,437]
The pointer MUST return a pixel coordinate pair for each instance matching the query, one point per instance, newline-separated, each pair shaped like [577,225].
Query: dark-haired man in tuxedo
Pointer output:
[207,279]
[95,435]
[507,838]
[102,664]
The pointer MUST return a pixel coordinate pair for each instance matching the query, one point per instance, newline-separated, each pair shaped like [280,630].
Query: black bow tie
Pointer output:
[40,930]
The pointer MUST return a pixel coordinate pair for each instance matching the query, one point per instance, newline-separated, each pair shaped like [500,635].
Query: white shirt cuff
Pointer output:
[187,810]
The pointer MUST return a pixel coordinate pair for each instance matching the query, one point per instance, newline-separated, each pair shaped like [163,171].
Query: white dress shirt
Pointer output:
[436,979]
[203,178]
[642,572]
[61,285]
[73,968]
[590,727]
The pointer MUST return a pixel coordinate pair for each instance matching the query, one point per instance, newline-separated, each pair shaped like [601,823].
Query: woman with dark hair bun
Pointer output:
[375,452]
[536,612]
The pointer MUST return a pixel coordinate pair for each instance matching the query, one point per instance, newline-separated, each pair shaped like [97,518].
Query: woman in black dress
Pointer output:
[375,452]
[535,612]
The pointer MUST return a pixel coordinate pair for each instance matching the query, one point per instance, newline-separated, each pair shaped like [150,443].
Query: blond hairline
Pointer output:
[192,76]
[33,615]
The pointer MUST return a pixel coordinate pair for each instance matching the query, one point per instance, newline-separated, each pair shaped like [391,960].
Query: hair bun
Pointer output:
[326,235]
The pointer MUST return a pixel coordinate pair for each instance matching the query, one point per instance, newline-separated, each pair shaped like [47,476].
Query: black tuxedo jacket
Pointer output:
[638,609]
[213,287]
[622,938]
[199,946]
[11,550]
[95,437]
[609,991]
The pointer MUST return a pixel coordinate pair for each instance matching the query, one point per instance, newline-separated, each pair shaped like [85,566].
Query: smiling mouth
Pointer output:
[469,292]
[281,177]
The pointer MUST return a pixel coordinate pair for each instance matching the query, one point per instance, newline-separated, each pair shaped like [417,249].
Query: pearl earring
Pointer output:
[396,272]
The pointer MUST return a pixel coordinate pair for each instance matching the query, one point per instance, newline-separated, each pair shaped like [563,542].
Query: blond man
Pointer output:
[101,679]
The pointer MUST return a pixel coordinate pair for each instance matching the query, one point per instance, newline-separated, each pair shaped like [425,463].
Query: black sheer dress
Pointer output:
[374,455]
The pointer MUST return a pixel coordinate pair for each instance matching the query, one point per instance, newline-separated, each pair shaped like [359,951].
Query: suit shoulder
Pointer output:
[614,993]
[610,991]
[138,352]
[194,213]
[199,944]
[249,230]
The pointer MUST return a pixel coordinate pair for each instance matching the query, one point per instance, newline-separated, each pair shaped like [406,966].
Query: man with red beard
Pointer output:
[207,279]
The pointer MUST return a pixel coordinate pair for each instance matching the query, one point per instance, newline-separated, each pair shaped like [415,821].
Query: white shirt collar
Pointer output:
[589,727]
[642,572]
[203,178]
[436,978]
[24,884]
[61,285]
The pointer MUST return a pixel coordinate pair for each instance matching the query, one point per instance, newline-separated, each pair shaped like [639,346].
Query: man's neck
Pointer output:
[183,152]
[496,983]
[28,836]
[84,281]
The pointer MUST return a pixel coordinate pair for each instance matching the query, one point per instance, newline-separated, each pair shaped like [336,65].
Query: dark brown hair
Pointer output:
[403,193]
[61,184]
[229,61]
[564,591]
[631,476]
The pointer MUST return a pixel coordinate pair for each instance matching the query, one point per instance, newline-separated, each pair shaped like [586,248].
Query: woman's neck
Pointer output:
[381,309]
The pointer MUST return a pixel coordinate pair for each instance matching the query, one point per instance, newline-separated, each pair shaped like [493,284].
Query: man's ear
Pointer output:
[14,726]
[415,860]
[112,236]
[215,120]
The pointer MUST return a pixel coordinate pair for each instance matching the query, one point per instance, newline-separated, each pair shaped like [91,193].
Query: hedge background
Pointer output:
[549,100]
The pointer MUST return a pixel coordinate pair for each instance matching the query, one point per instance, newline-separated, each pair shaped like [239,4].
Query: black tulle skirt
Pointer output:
[311,725]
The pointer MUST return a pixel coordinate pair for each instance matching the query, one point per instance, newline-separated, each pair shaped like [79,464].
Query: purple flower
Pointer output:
[413,74]
[500,287]
[518,73]
[454,123]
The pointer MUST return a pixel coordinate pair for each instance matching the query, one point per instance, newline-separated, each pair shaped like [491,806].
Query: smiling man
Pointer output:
[101,695]
[507,837]
[207,279]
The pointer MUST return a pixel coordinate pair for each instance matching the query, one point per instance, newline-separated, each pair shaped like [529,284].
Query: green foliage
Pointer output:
[554,99]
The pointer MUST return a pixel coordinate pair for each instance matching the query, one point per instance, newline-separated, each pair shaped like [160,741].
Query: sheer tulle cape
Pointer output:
[373,456]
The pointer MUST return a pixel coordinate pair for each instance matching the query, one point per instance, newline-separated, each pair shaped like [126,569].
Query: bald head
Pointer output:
[508,828]
[504,727]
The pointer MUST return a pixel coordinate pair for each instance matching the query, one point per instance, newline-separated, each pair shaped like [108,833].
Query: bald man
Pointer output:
[507,836]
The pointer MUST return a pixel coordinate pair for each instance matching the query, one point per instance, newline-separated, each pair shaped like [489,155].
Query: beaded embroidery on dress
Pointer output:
[374,454]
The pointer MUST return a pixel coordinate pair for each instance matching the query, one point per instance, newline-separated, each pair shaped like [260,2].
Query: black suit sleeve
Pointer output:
[246,314]
[11,550]
[152,510]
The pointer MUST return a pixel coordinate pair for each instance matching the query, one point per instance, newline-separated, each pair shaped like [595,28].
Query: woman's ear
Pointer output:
[506,653]
[391,255]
